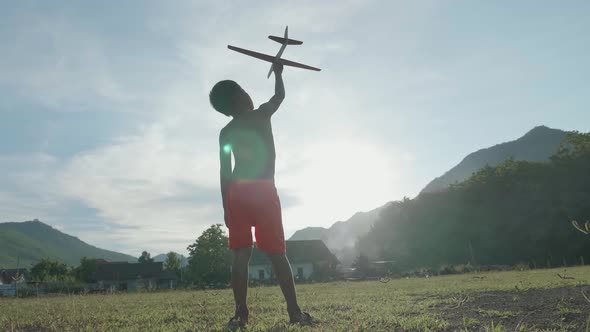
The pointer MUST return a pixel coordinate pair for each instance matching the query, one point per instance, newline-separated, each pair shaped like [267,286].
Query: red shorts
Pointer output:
[255,203]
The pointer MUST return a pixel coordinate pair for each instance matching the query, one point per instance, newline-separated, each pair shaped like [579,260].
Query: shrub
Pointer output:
[521,266]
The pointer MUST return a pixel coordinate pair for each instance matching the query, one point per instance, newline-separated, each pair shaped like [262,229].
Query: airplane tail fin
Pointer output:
[282,40]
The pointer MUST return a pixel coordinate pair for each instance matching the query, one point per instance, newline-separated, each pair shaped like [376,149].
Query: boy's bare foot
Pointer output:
[239,320]
[236,323]
[302,319]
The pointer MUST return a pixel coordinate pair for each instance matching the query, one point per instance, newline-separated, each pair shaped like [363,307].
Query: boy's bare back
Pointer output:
[250,138]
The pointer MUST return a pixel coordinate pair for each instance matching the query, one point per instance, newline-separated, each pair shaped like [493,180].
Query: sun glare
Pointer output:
[339,179]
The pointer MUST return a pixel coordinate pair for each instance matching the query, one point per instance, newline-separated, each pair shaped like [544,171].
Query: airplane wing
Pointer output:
[257,55]
[270,58]
[296,64]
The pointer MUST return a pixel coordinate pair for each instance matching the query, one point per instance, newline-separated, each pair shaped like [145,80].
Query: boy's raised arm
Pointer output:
[270,107]
[225,171]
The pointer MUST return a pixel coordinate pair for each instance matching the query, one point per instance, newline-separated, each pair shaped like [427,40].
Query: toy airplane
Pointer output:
[277,58]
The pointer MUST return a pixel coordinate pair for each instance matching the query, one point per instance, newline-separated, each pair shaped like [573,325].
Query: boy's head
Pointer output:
[228,97]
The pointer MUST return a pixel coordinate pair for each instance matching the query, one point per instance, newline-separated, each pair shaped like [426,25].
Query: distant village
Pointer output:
[310,260]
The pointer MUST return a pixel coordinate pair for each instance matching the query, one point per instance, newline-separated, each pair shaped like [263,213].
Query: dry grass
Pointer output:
[448,303]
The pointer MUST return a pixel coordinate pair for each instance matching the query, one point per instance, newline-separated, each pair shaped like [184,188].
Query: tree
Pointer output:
[145,258]
[172,263]
[209,258]
[85,270]
[47,269]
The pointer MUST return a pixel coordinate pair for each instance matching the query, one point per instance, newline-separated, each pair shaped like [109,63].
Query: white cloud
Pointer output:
[53,61]
[151,181]
[26,192]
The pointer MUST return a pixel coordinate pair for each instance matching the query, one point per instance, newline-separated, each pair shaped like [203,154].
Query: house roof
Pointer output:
[126,271]
[304,251]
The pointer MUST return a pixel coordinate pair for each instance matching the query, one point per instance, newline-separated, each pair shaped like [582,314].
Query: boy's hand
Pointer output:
[278,68]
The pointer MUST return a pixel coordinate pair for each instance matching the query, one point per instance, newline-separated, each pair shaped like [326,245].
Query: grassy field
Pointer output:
[497,301]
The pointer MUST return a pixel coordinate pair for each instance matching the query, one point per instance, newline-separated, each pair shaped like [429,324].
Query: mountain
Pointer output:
[536,145]
[518,212]
[162,258]
[30,241]
[308,233]
[342,235]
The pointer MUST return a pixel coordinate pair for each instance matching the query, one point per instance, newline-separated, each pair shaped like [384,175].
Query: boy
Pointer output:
[249,194]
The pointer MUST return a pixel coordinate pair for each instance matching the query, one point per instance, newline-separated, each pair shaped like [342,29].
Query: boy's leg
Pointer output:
[270,239]
[282,268]
[239,280]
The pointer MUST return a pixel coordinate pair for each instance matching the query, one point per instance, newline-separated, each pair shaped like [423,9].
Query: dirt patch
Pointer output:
[564,309]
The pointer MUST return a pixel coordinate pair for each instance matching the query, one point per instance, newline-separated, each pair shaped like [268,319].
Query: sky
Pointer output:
[106,131]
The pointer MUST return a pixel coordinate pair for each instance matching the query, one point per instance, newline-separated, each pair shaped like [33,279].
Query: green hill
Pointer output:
[33,240]
[517,211]
[538,144]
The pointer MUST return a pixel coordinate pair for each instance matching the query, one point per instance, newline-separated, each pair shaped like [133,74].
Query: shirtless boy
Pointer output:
[249,195]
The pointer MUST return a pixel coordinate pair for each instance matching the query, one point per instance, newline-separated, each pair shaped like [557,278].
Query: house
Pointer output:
[306,257]
[125,276]
[9,276]
[10,279]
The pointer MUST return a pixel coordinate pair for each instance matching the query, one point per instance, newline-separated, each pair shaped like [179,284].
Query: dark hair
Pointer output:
[223,96]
